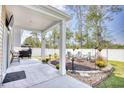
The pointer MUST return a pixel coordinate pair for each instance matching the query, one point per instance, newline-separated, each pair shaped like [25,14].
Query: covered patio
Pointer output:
[40,19]
[40,75]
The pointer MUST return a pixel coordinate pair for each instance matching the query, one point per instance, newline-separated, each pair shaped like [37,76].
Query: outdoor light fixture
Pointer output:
[73,67]
[10,22]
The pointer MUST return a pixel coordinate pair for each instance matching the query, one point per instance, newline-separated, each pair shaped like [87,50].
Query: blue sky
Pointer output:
[116,27]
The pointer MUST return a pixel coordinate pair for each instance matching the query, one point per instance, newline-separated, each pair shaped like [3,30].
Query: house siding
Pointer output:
[16,36]
[1,49]
[2,32]
[1,43]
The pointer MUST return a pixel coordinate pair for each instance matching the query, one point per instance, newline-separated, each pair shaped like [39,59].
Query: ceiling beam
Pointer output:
[28,29]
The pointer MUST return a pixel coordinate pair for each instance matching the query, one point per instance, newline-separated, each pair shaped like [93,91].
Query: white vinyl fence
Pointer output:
[113,54]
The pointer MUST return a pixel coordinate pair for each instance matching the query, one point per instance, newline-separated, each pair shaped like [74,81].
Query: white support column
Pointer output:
[62,48]
[43,44]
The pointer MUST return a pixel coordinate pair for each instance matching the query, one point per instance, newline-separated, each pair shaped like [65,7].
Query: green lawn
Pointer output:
[116,80]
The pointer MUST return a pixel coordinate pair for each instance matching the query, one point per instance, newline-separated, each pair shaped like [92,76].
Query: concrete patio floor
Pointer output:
[40,75]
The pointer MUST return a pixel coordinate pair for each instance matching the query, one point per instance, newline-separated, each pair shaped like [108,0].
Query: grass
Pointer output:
[116,80]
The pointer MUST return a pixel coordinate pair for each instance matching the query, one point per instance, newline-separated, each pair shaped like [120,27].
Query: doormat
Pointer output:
[14,76]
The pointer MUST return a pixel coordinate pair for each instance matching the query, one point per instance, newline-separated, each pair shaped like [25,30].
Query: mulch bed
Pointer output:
[79,65]
[54,62]
[76,66]
[90,78]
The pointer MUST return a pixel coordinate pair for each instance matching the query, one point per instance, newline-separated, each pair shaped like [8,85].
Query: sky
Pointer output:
[116,27]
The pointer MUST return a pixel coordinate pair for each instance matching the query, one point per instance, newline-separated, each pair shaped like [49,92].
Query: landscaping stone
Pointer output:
[90,78]
[87,71]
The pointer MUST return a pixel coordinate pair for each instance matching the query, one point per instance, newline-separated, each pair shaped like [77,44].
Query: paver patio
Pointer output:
[40,75]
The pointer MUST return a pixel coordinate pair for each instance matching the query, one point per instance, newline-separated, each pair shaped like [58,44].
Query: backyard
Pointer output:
[89,45]
[87,48]
[116,79]
[113,80]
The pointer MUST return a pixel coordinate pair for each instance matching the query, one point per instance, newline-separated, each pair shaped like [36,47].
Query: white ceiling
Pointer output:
[30,20]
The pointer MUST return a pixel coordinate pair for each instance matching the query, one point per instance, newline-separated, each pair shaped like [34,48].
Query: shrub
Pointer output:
[100,63]
[45,60]
[55,56]
[57,66]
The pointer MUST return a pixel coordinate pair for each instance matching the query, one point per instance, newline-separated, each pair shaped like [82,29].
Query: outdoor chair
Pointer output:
[25,52]
[15,55]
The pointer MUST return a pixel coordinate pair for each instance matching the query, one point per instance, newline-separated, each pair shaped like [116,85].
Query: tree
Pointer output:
[49,40]
[29,41]
[92,19]
[33,40]
[79,13]
[69,35]
[53,39]
[55,36]
[36,39]
[96,17]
